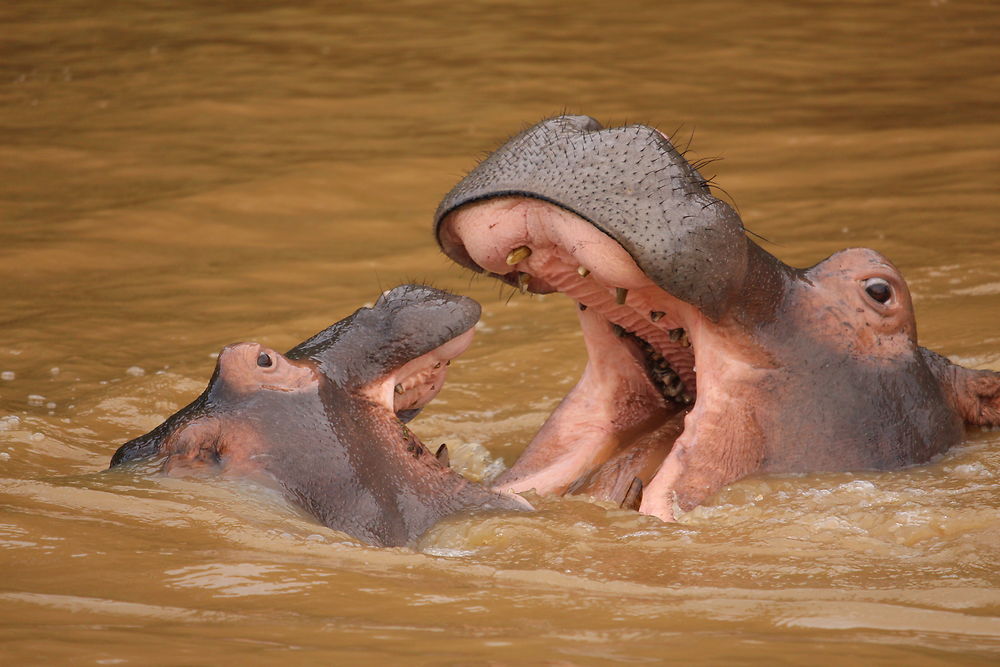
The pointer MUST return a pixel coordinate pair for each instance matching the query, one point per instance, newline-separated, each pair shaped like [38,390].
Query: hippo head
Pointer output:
[325,422]
[709,359]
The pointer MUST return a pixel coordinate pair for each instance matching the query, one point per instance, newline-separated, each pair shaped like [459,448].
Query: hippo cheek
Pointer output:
[228,445]
[194,447]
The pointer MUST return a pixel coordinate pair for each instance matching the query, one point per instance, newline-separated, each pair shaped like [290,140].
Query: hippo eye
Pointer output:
[878,289]
[264,360]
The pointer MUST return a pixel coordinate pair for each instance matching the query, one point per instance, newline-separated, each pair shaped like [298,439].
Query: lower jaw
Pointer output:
[638,459]
[615,427]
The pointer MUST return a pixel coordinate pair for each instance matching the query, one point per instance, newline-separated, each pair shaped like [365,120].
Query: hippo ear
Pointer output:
[975,394]
[978,396]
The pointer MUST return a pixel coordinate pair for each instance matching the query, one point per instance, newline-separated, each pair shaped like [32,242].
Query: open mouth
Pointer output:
[406,390]
[415,384]
[611,434]
[667,284]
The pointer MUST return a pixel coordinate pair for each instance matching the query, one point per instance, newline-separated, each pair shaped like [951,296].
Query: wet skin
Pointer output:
[709,358]
[325,422]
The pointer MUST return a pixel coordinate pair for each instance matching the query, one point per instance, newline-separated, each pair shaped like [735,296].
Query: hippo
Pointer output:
[708,358]
[326,422]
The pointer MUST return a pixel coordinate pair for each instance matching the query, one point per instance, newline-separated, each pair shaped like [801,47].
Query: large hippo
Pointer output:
[709,359]
[325,421]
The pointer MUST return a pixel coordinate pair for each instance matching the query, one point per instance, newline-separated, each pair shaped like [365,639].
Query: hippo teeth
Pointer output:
[523,279]
[666,379]
[518,255]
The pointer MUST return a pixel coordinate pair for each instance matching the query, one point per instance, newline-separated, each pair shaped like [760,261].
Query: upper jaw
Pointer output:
[628,183]
[544,248]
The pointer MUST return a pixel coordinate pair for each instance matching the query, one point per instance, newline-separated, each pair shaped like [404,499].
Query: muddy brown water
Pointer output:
[178,176]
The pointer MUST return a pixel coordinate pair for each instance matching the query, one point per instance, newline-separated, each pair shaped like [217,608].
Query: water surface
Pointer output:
[176,177]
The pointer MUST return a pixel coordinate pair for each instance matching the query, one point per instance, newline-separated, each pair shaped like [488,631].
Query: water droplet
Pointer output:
[7,375]
[36,400]
[135,371]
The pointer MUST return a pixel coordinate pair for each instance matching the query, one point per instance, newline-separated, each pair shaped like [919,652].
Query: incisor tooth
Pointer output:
[518,255]
[522,282]
[583,271]
[620,294]
[398,389]
[656,315]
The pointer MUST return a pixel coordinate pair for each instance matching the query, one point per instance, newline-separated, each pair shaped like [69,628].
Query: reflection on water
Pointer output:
[174,178]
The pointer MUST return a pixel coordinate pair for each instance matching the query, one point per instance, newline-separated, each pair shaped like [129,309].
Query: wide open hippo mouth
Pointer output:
[619,221]
[622,418]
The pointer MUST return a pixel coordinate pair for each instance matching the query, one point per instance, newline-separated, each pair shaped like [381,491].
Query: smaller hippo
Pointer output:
[326,421]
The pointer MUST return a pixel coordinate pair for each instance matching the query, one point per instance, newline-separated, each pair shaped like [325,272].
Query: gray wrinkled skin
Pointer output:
[327,445]
[634,186]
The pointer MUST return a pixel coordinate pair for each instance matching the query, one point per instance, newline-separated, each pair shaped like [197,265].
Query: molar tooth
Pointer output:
[620,294]
[522,282]
[675,334]
[684,340]
[518,255]
[581,306]
[656,315]
[686,399]
[398,389]
[618,329]
[583,271]
[674,388]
